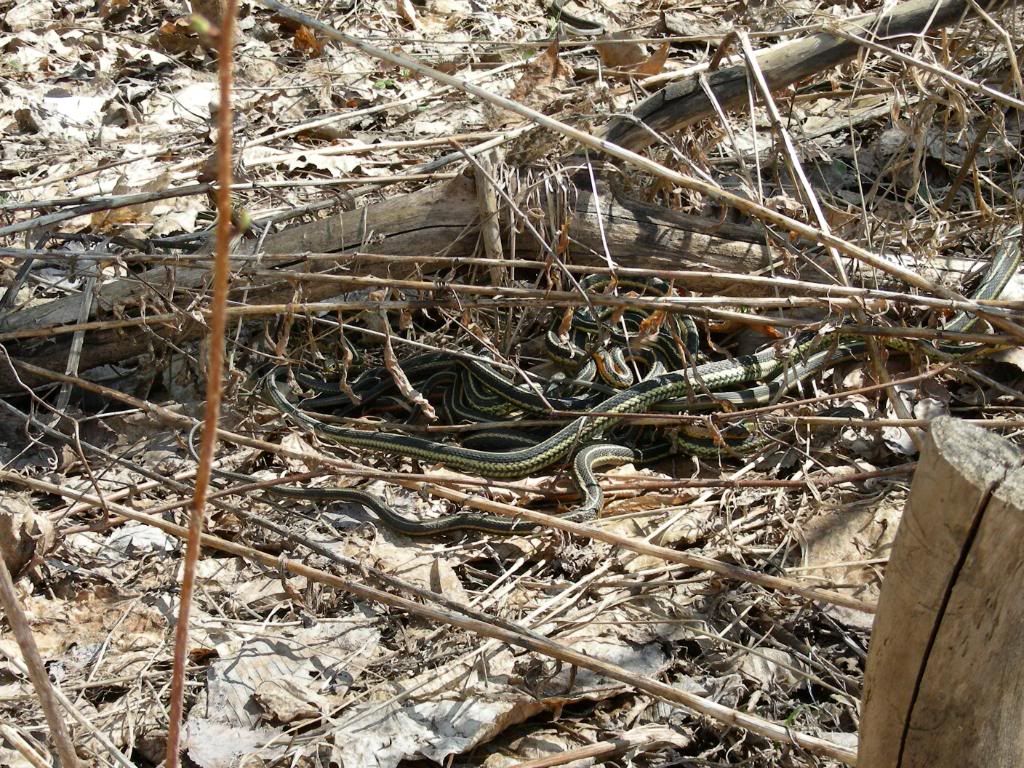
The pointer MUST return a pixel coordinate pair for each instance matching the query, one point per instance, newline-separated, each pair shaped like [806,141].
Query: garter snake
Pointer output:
[659,341]
[710,383]
[514,463]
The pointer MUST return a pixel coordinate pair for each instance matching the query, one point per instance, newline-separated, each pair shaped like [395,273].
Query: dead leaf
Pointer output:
[175,36]
[106,221]
[405,387]
[307,43]
[26,120]
[769,668]
[28,14]
[211,744]
[840,544]
[288,700]
[293,442]
[112,8]
[417,566]
[24,534]
[540,77]
[620,53]
[408,13]
[655,64]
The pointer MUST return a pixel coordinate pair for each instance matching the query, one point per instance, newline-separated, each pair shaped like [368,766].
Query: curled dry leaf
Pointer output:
[408,391]
[175,36]
[544,77]
[115,219]
[619,53]
[285,701]
[655,63]
[307,43]
[625,57]
[408,14]
[24,534]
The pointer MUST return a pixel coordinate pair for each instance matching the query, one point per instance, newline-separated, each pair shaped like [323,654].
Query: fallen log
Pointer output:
[444,218]
[686,102]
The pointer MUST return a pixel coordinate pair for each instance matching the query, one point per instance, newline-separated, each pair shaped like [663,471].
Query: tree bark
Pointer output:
[945,676]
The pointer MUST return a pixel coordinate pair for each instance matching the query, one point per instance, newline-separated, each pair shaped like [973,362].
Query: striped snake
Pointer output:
[713,383]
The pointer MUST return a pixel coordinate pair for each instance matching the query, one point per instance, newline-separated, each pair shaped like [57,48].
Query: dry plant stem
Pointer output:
[811,200]
[691,305]
[36,670]
[1011,55]
[47,182]
[529,641]
[842,421]
[742,204]
[632,482]
[355,259]
[218,324]
[262,310]
[671,555]
[23,748]
[601,749]
[683,275]
[945,74]
[422,168]
[379,576]
[825,297]
[967,164]
[842,393]
[103,204]
[343,181]
[350,115]
[827,294]
[683,104]
[700,562]
[69,706]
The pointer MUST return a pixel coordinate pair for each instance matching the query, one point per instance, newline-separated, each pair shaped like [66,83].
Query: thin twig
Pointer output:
[523,639]
[36,669]
[214,378]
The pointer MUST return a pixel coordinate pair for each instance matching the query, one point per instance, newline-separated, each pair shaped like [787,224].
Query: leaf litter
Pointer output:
[118,100]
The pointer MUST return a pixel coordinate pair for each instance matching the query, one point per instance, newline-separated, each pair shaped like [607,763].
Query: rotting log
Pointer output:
[438,219]
[686,102]
[945,674]
[441,219]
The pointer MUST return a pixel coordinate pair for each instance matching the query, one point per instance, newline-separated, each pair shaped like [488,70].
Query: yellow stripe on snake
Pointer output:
[689,385]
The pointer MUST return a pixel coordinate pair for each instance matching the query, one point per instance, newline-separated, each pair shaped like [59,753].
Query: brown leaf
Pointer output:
[408,13]
[620,53]
[307,43]
[24,534]
[540,73]
[104,221]
[175,36]
[405,387]
[109,8]
[655,63]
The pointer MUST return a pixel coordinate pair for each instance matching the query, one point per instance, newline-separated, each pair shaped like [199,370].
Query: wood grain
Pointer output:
[944,677]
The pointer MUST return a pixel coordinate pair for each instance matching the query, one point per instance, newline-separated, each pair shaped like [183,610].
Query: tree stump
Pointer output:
[945,675]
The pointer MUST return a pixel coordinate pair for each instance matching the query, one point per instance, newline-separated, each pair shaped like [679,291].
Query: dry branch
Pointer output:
[685,103]
[523,639]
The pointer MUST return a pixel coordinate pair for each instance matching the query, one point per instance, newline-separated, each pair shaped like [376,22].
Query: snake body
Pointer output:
[707,385]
